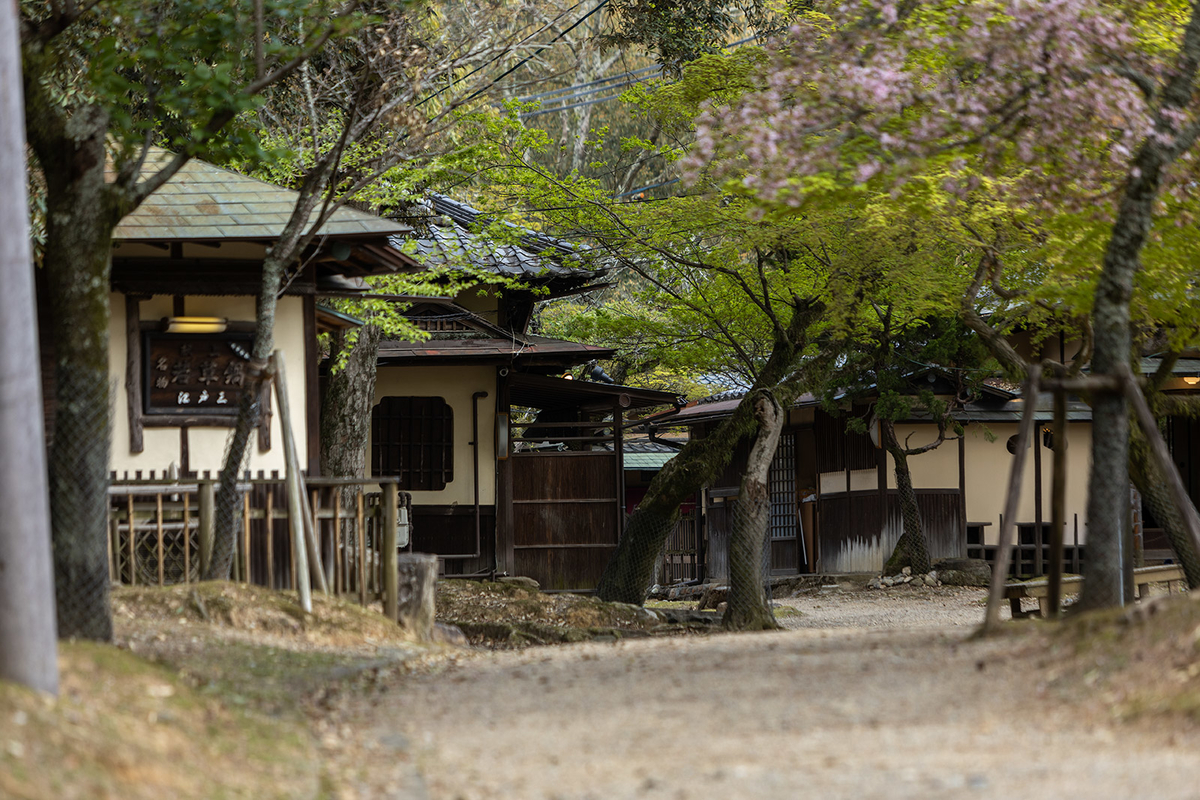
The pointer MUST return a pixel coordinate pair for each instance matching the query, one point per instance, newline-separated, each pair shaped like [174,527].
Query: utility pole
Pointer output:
[28,635]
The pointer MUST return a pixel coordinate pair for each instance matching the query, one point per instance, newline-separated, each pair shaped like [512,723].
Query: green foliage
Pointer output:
[174,71]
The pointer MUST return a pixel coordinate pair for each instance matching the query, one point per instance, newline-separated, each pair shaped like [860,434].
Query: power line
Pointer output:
[491,61]
[526,59]
[609,79]
[600,85]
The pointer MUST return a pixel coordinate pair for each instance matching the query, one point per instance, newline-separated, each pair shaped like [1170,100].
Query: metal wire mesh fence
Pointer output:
[78,472]
[749,595]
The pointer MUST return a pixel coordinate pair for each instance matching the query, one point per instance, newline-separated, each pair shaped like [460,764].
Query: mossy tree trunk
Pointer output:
[1152,484]
[630,571]
[748,606]
[81,211]
[346,407]
[912,550]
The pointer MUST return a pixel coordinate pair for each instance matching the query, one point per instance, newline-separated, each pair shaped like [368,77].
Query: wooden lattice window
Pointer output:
[413,438]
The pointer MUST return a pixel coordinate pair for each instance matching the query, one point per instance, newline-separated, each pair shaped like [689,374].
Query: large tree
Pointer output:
[103,82]
[1084,104]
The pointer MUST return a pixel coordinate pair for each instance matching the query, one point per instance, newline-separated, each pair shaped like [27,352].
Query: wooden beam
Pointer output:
[312,388]
[133,371]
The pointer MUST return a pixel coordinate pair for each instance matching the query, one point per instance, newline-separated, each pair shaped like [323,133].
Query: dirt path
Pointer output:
[828,712]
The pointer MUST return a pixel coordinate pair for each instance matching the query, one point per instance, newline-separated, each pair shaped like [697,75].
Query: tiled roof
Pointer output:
[537,255]
[206,202]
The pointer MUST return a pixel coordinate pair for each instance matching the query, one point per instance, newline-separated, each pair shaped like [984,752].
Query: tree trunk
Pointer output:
[346,412]
[229,499]
[79,222]
[28,650]
[1156,495]
[1107,572]
[911,549]
[748,607]
[281,254]
[630,571]
[346,407]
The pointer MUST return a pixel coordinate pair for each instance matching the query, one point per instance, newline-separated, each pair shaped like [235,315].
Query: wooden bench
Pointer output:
[1040,588]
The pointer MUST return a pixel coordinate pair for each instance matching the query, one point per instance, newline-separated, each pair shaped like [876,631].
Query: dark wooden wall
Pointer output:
[565,517]
[858,531]
[449,532]
[837,447]
[1183,435]
[719,522]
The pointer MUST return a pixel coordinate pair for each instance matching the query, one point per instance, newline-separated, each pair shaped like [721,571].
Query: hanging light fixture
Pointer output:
[196,324]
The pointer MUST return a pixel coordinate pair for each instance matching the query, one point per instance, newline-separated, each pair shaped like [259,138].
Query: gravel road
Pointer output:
[874,695]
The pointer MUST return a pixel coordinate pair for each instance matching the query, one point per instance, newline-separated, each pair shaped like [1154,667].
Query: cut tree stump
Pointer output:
[417,574]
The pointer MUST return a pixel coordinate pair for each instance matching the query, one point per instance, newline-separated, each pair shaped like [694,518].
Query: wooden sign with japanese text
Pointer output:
[196,374]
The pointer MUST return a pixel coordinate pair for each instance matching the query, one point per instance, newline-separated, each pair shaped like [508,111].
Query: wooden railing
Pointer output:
[161,532]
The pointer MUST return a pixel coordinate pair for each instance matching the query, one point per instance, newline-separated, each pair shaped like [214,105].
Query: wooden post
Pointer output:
[132,550]
[1038,537]
[246,536]
[391,518]
[208,520]
[361,560]
[315,528]
[339,551]
[113,528]
[416,582]
[158,522]
[270,520]
[295,488]
[1058,502]
[1004,543]
[187,538]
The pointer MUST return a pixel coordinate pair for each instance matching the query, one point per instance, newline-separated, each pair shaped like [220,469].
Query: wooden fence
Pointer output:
[161,532]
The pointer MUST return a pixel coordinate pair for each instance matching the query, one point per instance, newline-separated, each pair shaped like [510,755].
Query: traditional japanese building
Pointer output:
[186,273]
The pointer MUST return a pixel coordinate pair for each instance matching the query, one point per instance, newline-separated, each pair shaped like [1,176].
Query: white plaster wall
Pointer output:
[861,480]
[206,445]
[935,469]
[455,385]
[987,473]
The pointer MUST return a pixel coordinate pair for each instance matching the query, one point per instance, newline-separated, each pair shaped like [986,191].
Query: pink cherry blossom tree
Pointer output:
[1075,104]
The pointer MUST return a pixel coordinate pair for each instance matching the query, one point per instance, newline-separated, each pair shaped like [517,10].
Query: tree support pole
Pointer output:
[991,620]
[1158,448]
[1058,502]
[295,490]
[28,632]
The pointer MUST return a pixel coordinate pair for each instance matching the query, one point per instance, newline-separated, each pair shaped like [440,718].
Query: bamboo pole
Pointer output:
[297,518]
[991,619]
[158,521]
